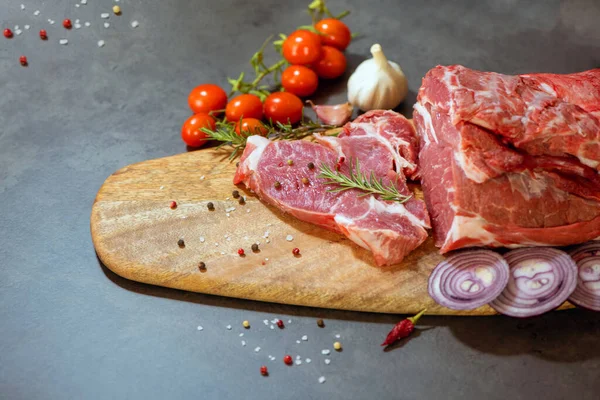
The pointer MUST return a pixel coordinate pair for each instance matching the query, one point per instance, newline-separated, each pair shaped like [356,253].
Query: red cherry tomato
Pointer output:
[283,107]
[251,126]
[191,131]
[206,98]
[244,106]
[299,80]
[332,64]
[334,33]
[302,47]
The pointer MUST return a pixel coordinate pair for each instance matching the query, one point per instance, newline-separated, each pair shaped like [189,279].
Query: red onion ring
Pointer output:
[587,292]
[467,280]
[541,279]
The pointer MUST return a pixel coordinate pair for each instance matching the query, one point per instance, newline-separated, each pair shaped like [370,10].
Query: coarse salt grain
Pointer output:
[228,327]
[77,21]
[100,43]
[51,21]
[325,351]
[257,349]
[27,27]
[222,253]
[202,239]
[135,24]
[327,361]
[305,338]
[289,321]
[322,379]
[216,244]
[22,6]
[77,26]
[16,27]
[268,240]
[104,15]
[106,25]
[36,12]
[241,334]
[228,239]
[87,23]
[247,211]
[298,357]
[84,2]
[230,209]
[337,336]
[200,328]
[18,31]
[272,327]
[298,362]
[266,259]
[266,321]
[289,238]
[202,178]
[308,360]
[77,5]
[243,342]
[63,41]
[266,235]
[297,341]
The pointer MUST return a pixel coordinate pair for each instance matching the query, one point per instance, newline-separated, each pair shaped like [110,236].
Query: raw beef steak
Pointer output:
[509,161]
[384,143]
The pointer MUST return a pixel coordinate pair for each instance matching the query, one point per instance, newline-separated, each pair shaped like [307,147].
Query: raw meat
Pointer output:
[380,141]
[510,161]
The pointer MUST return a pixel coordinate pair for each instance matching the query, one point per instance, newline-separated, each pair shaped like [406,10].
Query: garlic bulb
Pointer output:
[377,83]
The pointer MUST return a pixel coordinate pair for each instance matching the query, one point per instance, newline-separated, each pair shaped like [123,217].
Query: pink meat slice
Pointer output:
[389,230]
[509,161]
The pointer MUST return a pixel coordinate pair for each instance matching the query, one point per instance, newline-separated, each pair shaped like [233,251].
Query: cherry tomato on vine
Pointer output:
[244,106]
[332,64]
[334,33]
[251,126]
[302,47]
[206,98]
[283,107]
[299,80]
[191,130]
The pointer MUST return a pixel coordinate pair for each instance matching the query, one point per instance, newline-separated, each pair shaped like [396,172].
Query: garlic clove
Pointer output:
[336,115]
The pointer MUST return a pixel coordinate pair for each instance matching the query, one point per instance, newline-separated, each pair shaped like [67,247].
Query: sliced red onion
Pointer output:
[541,279]
[336,115]
[467,280]
[587,292]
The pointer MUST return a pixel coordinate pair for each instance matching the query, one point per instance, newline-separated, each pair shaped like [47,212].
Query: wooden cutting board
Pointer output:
[135,234]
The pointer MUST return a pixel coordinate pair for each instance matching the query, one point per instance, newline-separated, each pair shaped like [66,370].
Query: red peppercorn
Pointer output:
[241,252]
[67,24]
[173,205]
[43,34]
[23,61]
[288,359]
[264,371]
[296,251]
[280,323]
[8,33]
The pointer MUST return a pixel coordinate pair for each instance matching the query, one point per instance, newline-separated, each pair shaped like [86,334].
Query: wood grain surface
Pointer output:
[135,234]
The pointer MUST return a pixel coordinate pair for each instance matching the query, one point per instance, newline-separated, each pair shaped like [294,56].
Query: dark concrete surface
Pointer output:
[71,329]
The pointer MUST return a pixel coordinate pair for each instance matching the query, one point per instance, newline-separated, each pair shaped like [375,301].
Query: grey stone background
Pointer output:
[71,329]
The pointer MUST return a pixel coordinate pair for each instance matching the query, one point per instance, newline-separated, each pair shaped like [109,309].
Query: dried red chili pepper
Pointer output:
[402,329]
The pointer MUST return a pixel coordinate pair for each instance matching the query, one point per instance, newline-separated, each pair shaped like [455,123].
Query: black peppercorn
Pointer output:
[242,201]
[320,323]
[202,266]
[311,165]
[235,194]
[210,206]
[181,243]
[277,185]
[254,247]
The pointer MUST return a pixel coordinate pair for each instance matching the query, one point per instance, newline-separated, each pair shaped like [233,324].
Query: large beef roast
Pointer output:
[285,174]
[510,161]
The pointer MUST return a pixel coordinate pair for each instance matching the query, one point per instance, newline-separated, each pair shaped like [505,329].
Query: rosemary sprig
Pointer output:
[226,134]
[358,179]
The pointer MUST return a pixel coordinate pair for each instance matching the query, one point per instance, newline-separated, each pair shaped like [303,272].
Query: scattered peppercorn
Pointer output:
[235,194]
[290,162]
[264,371]
[173,205]
[254,247]
[8,33]
[280,323]
[241,252]
[67,24]
[320,323]
[305,180]
[242,200]
[246,324]
[296,251]
[181,243]
[237,164]
[337,346]
[311,165]
[117,10]
[210,206]
[402,329]
[288,359]
[277,184]
[23,61]
[43,34]
[202,266]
